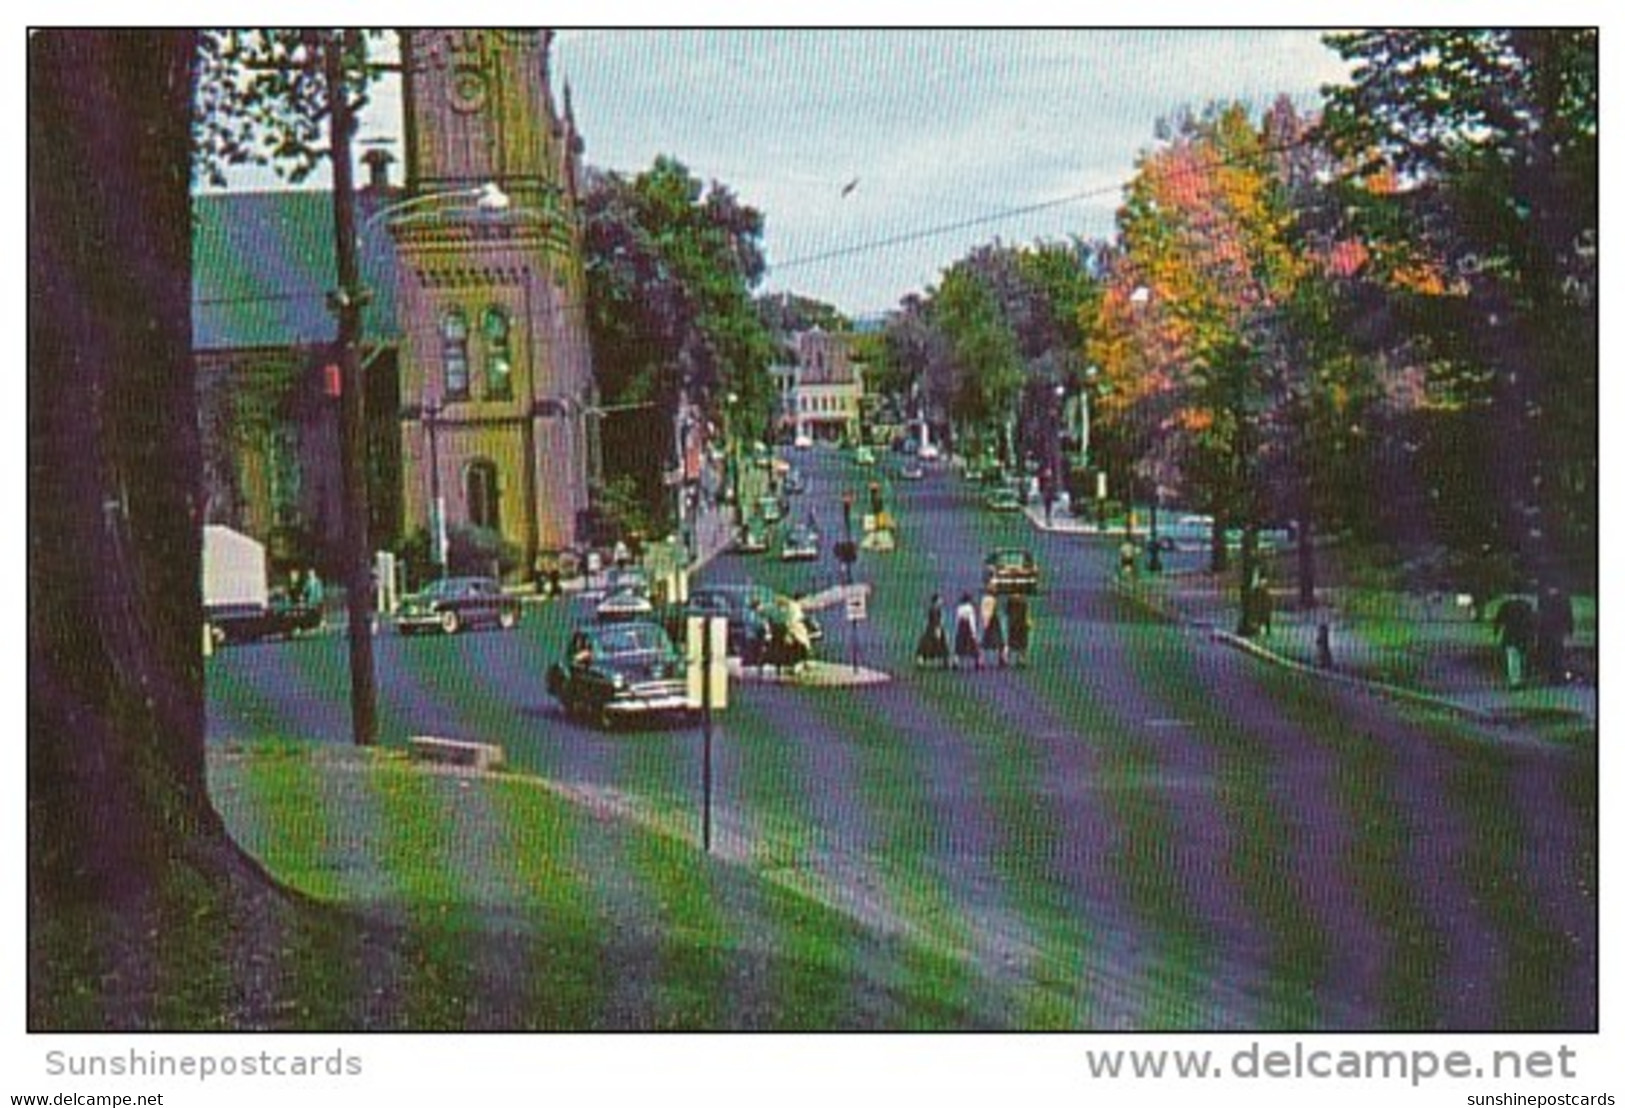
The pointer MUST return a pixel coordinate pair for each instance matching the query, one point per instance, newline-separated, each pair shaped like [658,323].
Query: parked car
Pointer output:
[769,509]
[930,452]
[1003,499]
[624,604]
[1010,569]
[803,441]
[617,671]
[800,545]
[453,603]
[751,539]
[246,622]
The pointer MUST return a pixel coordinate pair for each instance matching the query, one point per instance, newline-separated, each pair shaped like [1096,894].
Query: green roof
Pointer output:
[263,266]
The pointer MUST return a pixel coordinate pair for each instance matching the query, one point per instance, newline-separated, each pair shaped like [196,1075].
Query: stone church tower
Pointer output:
[496,385]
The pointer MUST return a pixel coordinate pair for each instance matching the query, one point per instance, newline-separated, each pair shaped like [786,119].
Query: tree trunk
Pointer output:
[116,789]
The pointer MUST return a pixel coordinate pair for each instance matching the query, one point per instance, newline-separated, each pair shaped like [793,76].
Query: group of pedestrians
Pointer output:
[989,633]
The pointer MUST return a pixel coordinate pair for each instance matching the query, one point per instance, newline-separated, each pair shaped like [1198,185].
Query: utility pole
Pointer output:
[347,303]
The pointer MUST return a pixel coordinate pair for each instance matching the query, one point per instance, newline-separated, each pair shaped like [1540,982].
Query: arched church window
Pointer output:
[454,353]
[498,355]
[483,496]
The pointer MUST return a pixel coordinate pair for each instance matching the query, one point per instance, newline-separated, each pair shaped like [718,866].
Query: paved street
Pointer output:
[1141,829]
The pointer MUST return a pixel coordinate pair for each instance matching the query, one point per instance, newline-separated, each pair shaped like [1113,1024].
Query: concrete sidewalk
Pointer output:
[1397,644]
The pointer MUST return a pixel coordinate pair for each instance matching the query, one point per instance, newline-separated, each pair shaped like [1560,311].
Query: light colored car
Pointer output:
[800,545]
[1003,499]
[751,539]
[1010,569]
[930,452]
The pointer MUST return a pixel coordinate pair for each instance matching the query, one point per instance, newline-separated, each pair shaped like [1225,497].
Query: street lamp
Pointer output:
[438,538]
[729,431]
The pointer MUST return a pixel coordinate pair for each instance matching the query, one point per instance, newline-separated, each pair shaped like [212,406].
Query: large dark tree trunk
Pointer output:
[116,792]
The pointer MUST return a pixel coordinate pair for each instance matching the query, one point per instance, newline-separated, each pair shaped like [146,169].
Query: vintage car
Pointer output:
[454,603]
[626,594]
[1004,498]
[769,509]
[800,545]
[617,671]
[751,539]
[1010,569]
[239,623]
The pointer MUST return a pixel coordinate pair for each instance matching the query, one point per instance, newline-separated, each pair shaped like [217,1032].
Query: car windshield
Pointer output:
[1010,558]
[452,586]
[638,638]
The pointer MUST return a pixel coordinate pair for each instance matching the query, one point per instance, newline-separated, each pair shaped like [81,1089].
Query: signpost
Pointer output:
[707,655]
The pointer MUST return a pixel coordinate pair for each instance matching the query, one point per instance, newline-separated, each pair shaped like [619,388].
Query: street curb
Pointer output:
[1362,684]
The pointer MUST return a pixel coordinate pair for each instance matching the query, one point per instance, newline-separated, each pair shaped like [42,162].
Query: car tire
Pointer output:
[450,622]
[507,618]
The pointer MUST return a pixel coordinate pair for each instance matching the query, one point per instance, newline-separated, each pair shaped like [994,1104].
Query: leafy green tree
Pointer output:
[261,98]
[671,264]
[1473,177]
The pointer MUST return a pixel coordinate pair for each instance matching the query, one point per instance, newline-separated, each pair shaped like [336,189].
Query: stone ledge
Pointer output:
[456,752]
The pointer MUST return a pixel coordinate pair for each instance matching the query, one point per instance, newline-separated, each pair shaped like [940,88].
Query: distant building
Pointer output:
[480,392]
[820,391]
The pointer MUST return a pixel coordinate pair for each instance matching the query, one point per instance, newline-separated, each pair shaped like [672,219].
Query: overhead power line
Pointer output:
[995,217]
[942,229]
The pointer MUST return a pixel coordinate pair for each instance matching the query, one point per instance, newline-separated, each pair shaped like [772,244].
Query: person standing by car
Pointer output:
[1515,628]
[993,631]
[933,646]
[967,648]
[1018,627]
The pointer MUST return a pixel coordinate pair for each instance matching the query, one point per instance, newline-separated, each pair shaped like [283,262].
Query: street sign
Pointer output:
[707,657]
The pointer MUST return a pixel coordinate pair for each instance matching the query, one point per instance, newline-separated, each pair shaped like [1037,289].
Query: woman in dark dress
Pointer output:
[1018,626]
[966,648]
[933,648]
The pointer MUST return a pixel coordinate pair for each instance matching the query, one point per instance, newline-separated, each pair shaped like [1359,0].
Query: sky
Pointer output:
[937,129]
[861,146]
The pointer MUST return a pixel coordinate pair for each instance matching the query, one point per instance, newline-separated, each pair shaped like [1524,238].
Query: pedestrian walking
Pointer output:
[933,646]
[993,631]
[1515,628]
[967,648]
[1018,627]
[1554,623]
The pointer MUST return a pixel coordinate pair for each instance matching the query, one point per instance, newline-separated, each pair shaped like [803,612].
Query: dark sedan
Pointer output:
[281,618]
[453,603]
[618,671]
